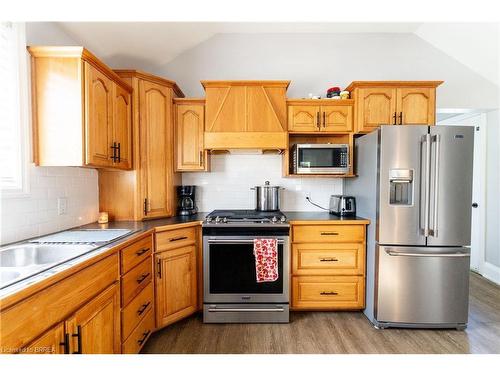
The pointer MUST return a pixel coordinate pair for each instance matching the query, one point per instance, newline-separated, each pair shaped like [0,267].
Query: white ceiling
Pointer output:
[157,43]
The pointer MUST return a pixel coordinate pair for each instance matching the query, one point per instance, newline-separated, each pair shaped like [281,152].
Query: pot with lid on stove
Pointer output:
[267,197]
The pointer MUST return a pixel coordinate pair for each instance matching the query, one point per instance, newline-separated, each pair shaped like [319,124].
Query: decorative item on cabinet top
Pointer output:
[93,106]
[245,115]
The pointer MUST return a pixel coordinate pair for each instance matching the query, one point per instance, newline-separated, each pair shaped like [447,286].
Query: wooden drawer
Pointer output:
[136,280]
[328,292]
[134,254]
[328,233]
[328,259]
[139,335]
[136,310]
[175,238]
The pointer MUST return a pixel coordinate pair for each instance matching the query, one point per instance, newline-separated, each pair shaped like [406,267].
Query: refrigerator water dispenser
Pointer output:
[401,187]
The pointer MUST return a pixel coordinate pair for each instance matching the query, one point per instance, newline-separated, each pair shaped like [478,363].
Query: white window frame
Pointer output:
[22,188]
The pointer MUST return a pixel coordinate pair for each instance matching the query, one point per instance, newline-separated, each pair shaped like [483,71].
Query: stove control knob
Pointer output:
[217,219]
[274,219]
[209,219]
[224,220]
[283,219]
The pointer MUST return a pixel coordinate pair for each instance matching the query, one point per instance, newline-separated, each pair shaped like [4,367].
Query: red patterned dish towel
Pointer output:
[265,251]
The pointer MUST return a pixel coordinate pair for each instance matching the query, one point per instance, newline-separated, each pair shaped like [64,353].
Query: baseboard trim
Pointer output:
[491,272]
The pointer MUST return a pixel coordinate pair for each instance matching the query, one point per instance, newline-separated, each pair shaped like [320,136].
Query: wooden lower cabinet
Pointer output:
[137,297]
[51,342]
[328,292]
[328,266]
[141,333]
[176,289]
[95,327]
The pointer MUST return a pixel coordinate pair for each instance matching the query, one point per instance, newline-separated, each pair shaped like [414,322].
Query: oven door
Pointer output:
[229,271]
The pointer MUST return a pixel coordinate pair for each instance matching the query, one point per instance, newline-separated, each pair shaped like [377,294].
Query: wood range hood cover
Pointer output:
[245,115]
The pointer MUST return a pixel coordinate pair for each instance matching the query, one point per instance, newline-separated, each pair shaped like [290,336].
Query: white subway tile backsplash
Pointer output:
[232,176]
[36,214]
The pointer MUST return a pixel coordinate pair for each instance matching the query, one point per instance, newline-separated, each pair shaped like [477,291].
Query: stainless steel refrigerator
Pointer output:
[415,185]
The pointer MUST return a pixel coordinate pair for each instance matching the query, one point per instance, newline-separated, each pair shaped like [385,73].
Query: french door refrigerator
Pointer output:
[415,185]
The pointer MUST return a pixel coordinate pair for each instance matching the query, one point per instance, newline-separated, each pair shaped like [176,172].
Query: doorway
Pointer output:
[478,225]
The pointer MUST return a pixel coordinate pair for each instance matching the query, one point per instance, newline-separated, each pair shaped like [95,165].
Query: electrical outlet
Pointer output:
[62,206]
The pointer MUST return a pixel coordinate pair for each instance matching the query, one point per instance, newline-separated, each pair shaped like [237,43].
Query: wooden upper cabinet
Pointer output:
[245,114]
[95,327]
[122,126]
[416,105]
[303,118]
[98,117]
[393,103]
[375,106]
[175,284]
[156,145]
[337,118]
[320,115]
[189,128]
[77,118]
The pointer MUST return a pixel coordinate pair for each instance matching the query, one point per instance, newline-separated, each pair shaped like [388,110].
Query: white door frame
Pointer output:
[478,233]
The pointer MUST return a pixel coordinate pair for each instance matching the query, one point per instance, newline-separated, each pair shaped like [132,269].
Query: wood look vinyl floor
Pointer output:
[337,332]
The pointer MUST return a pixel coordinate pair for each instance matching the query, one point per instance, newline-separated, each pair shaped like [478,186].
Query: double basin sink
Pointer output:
[18,262]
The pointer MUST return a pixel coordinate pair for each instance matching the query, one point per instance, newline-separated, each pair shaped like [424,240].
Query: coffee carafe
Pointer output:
[186,200]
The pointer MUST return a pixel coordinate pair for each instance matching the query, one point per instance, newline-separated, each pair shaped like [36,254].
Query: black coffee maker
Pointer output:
[186,200]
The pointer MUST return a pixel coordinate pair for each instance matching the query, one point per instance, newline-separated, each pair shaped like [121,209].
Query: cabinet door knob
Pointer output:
[324,119]
[394,119]
[400,118]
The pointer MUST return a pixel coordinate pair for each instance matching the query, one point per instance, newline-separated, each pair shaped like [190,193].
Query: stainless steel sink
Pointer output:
[6,276]
[33,254]
[19,262]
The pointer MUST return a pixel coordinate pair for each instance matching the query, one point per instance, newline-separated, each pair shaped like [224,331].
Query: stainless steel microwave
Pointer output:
[320,158]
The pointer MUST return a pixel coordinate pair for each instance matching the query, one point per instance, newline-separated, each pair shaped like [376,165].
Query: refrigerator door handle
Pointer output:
[426,139]
[426,254]
[436,139]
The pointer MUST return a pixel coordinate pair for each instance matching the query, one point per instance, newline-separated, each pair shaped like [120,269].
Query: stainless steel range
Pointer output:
[231,291]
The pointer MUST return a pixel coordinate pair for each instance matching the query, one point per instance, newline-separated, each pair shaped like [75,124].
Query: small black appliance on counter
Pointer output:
[342,205]
[186,195]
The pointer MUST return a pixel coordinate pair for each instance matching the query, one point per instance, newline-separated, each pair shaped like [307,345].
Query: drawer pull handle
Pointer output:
[144,337]
[142,251]
[142,278]
[178,238]
[143,308]
[328,260]
[328,293]
[329,233]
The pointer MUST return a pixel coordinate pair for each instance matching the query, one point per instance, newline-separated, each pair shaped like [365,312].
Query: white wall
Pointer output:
[36,214]
[315,62]
[493,190]
[228,184]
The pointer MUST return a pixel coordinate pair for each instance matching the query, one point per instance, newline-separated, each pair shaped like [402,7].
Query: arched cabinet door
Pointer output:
[304,118]
[336,118]
[122,127]
[156,144]
[375,106]
[98,117]
[189,127]
[416,105]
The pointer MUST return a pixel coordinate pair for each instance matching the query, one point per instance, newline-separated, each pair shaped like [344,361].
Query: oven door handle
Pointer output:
[237,241]
[227,309]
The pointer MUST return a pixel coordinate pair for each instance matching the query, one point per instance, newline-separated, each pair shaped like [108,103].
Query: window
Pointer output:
[14,109]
